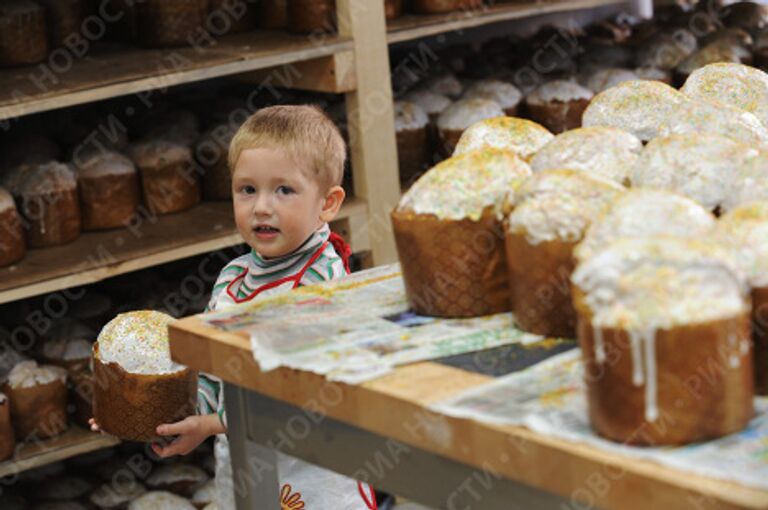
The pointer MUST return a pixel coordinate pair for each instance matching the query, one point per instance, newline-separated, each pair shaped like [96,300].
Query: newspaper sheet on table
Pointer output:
[550,398]
[357,328]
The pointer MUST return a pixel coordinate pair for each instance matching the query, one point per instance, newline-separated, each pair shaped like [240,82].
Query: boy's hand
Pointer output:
[191,431]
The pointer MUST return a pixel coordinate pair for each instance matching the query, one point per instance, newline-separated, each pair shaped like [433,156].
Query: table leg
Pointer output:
[254,467]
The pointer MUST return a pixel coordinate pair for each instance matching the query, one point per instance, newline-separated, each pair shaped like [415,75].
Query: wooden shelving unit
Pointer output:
[414,26]
[95,256]
[354,62]
[75,441]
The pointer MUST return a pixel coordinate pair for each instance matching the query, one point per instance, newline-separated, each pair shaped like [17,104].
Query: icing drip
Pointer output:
[637,360]
[599,345]
[651,381]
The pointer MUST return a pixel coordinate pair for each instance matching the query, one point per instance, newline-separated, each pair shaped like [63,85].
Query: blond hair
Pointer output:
[304,132]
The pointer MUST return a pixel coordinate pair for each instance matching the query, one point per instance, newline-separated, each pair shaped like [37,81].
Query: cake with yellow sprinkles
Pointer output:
[552,210]
[605,152]
[459,116]
[736,85]
[448,233]
[651,313]
[746,229]
[521,136]
[137,385]
[645,212]
[699,166]
[640,107]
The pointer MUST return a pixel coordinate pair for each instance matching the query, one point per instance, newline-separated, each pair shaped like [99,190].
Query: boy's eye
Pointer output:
[248,190]
[285,190]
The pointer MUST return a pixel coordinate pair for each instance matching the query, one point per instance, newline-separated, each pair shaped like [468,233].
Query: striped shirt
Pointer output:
[244,275]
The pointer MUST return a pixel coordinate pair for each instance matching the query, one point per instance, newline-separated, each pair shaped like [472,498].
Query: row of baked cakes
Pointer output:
[643,233]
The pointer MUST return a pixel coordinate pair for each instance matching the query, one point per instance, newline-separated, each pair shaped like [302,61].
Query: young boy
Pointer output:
[287,164]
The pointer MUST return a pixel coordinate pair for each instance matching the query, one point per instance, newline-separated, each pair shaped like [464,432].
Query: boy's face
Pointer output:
[277,205]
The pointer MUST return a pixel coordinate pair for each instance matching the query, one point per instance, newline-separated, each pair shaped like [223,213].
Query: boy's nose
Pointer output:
[262,205]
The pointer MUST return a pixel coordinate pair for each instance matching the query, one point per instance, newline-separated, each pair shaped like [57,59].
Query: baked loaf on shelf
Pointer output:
[461,115]
[521,136]
[448,231]
[7,437]
[551,212]
[746,229]
[38,395]
[47,194]
[411,134]
[651,313]
[211,152]
[605,152]
[109,191]
[137,385]
[504,94]
[558,105]
[169,180]
[163,23]
[23,33]
[699,166]
[311,16]
[12,242]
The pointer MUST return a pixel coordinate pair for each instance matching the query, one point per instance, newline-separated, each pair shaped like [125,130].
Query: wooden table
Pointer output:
[383,432]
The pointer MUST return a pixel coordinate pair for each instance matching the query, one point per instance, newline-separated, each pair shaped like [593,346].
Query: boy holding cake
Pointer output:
[287,164]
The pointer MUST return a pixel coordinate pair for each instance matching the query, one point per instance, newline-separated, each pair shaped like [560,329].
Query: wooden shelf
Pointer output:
[95,256]
[113,70]
[415,26]
[74,441]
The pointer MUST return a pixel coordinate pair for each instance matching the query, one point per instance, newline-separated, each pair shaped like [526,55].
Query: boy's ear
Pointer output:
[333,200]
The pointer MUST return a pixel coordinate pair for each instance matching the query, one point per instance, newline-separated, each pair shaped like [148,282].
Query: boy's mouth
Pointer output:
[266,229]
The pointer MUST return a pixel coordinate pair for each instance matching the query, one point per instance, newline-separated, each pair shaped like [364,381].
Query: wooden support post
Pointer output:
[371,122]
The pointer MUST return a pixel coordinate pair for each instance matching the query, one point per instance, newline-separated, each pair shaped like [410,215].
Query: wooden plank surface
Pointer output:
[75,441]
[415,26]
[95,256]
[395,406]
[114,70]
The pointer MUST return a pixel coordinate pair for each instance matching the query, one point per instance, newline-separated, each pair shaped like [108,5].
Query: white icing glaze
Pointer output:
[661,282]
[160,500]
[110,495]
[28,374]
[603,151]
[639,107]
[465,112]
[105,163]
[711,54]
[446,85]
[700,116]
[736,85]
[606,78]
[431,102]
[6,200]
[3,398]
[521,136]
[746,228]
[559,204]
[600,355]
[646,213]
[558,90]
[210,506]
[138,342]
[409,116]
[464,186]
[67,350]
[505,94]
[700,167]
[172,473]
[750,183]
[53,177]
[155,154]
[205,494]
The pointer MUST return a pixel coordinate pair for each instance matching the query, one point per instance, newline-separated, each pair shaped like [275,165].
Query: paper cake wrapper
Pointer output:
[539,285]
[7,437]
[558,116]
[452,268]
[760,338]
[701,395]
[131,406]
[38,412]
